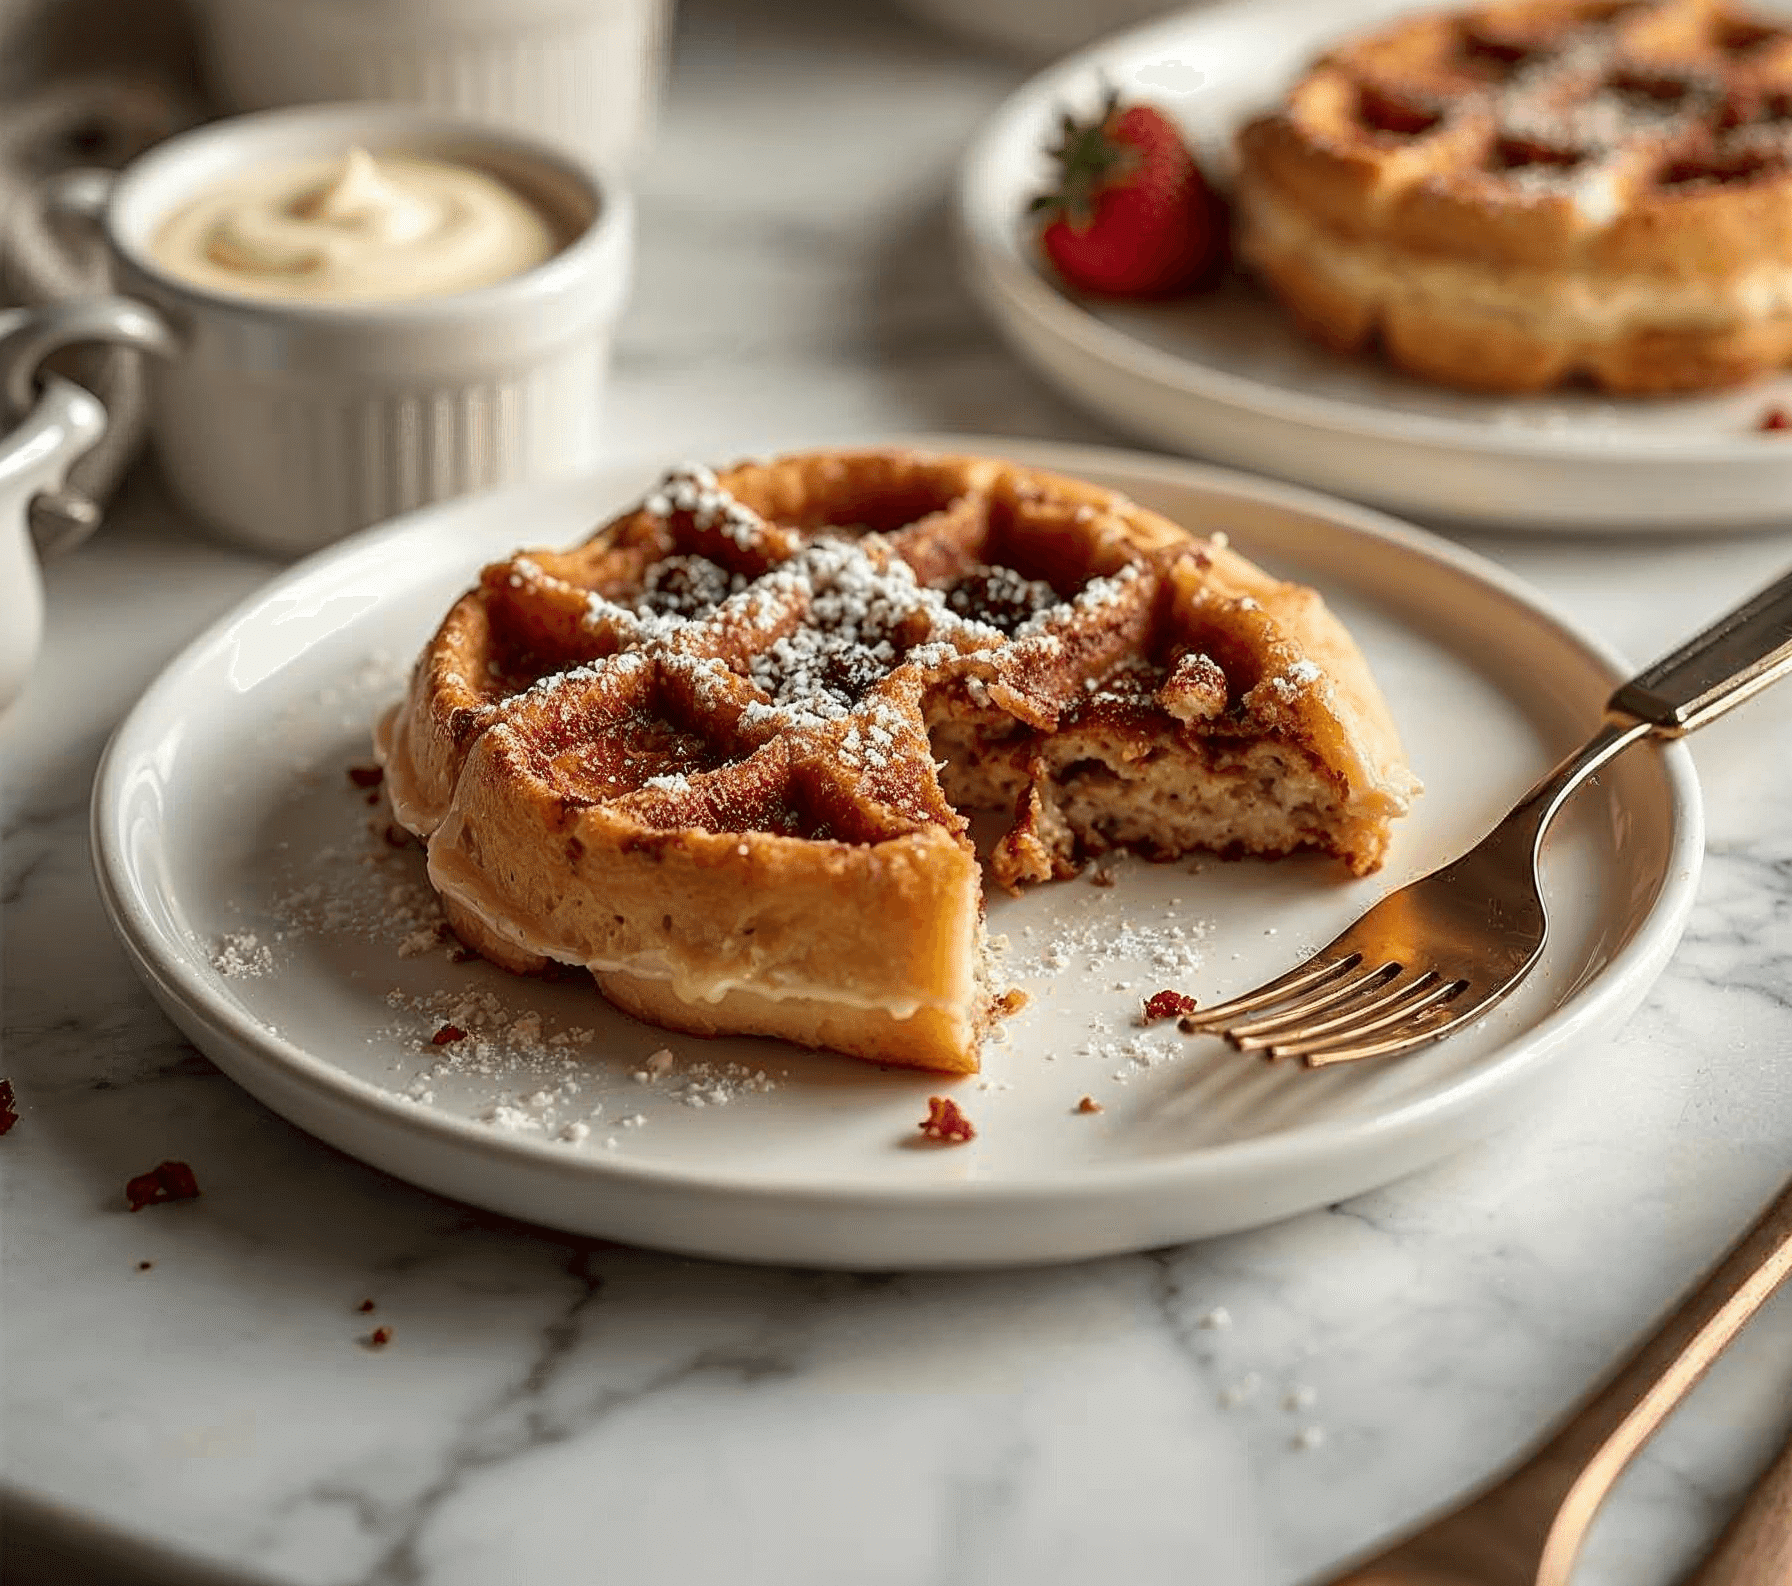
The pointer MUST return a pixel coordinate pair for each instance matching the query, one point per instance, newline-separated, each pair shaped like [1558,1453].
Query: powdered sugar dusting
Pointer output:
[240,953]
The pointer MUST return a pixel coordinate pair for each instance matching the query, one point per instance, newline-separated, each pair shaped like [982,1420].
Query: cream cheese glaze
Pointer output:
[355,230]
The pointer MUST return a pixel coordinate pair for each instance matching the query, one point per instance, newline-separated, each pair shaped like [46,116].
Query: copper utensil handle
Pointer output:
[1756,1546]
[1737,656]
[1588,1453]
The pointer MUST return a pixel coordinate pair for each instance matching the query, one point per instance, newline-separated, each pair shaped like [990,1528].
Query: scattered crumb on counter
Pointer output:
[167,1181]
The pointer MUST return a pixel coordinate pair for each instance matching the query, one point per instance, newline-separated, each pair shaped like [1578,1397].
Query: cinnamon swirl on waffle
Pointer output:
[1520,194]
[720,753]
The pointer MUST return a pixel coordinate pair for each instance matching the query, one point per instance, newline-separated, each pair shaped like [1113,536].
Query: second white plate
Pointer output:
[1225,376]
[249,878]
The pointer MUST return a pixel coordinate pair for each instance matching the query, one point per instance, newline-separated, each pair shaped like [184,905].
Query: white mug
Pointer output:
[285,425]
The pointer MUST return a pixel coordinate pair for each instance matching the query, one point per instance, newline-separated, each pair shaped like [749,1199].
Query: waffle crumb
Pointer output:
[167,1181]
[946,1123]
[1168,1005]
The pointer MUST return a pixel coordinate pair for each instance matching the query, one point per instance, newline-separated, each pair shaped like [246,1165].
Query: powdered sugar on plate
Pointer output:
[239,953]
[372,887]
[1095,932]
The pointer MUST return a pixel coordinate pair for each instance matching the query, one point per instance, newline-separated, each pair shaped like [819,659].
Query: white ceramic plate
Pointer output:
[234,858]
[1224,376]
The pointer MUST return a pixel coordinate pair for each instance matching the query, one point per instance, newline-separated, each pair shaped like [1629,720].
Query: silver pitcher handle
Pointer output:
[64,422]
[27,338]
[62,517]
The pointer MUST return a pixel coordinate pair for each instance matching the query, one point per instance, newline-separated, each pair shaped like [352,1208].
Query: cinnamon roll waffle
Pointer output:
[1517,195]
[721,753]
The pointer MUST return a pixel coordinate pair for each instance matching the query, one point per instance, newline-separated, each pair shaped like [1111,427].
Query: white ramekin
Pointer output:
[586,73]
[285,425]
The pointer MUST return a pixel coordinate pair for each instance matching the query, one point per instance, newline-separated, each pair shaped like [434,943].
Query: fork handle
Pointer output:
[1738,655]
[1585,1456]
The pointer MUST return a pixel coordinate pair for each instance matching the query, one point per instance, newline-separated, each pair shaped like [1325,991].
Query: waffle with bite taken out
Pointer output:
[721,754]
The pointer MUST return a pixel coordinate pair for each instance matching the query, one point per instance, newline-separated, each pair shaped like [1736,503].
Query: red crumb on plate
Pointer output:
[168,1181]
[9,1109]
[1775,419]
[447,1034]
[365,775]
[1090,1104]
[364,1307]
[1168,1005]
[945,1122]
[378,1338]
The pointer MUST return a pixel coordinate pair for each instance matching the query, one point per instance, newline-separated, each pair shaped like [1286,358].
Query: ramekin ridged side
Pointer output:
[288,461]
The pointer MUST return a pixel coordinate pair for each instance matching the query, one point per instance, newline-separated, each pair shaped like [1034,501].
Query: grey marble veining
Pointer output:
[556,1409]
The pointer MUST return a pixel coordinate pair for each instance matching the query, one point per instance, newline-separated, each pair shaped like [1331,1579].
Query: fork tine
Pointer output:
[1390,989]
[1424,996]
[1311,973]
[1329,995]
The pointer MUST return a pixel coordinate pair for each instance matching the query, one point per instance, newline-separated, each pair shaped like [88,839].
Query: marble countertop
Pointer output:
[556,1409]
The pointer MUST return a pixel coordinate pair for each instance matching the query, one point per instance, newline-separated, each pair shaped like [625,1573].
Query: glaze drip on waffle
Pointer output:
[1514,196]
[721,754]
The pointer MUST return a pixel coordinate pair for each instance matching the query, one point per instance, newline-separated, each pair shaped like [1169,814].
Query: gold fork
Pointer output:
[1441,951]
[1527,1528]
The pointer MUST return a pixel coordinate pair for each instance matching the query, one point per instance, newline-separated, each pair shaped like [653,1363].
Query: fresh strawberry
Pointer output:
[1131,215]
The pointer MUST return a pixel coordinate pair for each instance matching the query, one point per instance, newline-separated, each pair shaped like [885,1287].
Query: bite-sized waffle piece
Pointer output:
[719,753]
[1520,194]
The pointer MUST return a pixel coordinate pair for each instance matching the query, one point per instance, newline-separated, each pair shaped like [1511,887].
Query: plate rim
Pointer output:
[178,978]
[990,245]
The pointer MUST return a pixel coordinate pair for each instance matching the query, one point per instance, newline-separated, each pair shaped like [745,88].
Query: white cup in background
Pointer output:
[586,73]
[285,425]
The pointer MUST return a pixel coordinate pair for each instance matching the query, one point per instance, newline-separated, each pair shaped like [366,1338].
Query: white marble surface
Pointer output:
[558,1410]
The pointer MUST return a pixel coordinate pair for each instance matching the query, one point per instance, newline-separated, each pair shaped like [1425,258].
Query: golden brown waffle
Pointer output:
[1517,195]
[718,753]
